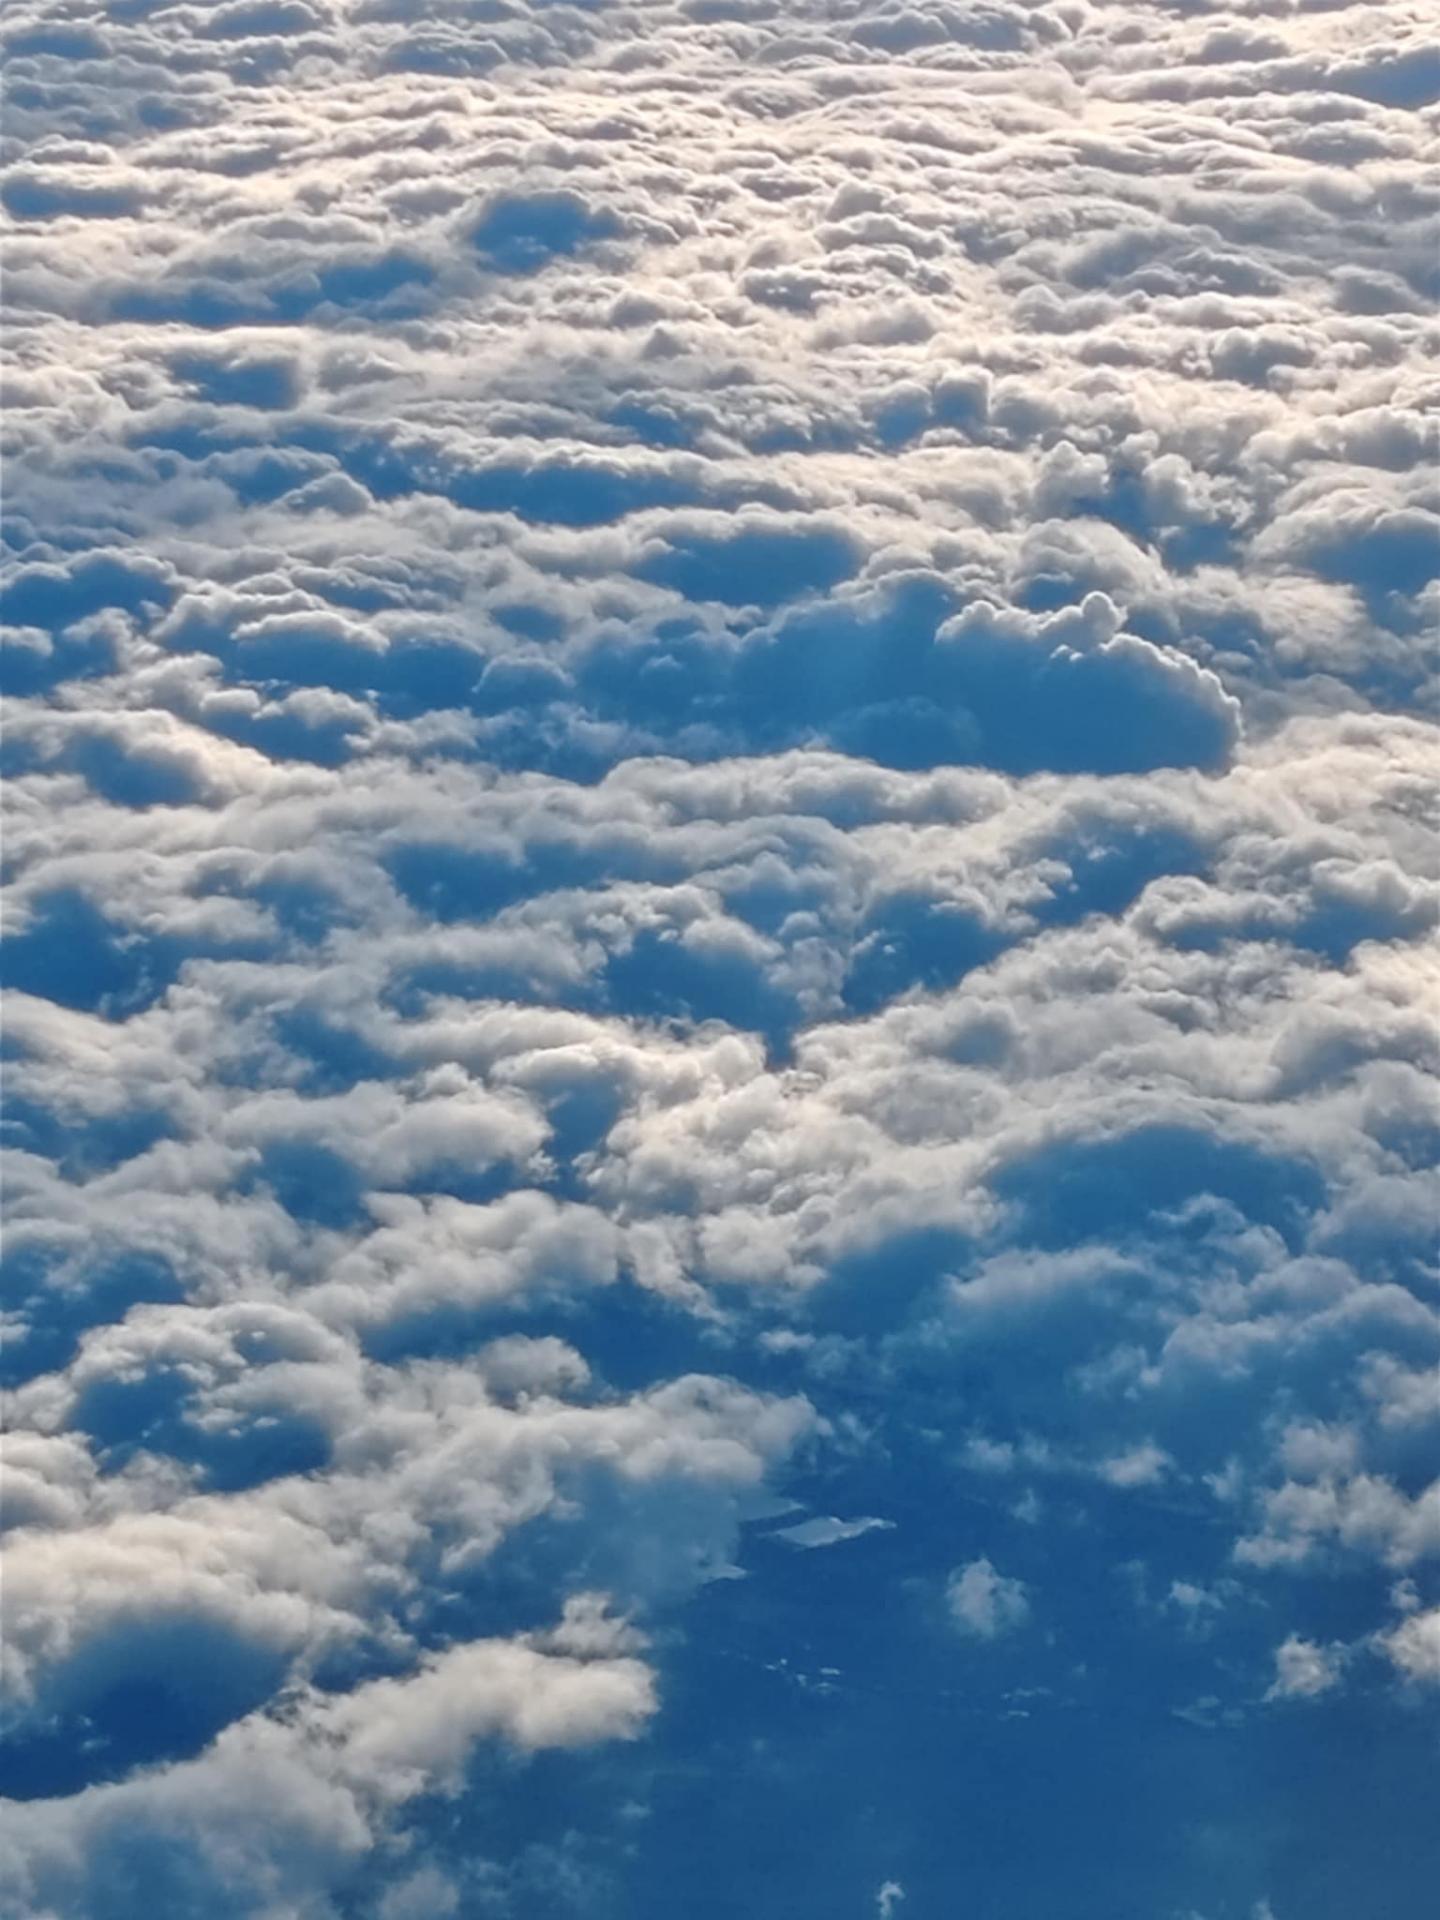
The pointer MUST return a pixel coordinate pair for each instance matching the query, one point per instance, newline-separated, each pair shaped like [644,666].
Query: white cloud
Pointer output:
[985,1604]
[280,1806]
[1304,1670]
[826,1531]
[1142,1466]
[1414,1646]
[693,689]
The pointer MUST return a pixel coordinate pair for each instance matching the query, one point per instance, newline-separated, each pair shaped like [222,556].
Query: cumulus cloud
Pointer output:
[1414,1647]
[1303,1670]
[283,1805]
[984,1604]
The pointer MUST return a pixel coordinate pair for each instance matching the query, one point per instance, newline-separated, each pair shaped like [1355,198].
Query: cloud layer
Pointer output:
[719,764]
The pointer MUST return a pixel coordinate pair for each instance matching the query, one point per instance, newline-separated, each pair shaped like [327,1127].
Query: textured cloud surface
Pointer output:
[721,874]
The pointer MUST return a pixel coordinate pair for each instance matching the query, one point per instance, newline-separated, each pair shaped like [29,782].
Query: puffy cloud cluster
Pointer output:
[719,773]
[283,1802]
[984,1603]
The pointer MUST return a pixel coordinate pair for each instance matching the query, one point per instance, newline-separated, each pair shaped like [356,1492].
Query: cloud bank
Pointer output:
[719,761]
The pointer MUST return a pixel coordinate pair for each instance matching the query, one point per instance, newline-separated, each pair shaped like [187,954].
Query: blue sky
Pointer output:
[719,983]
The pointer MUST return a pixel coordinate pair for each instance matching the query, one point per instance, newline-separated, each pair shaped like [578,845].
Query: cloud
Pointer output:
[1031,682]
[984,1604]
[1414,1647]
[716,763]
[1142,1466]
[1304,1670]
[826,1531]
[283,1806]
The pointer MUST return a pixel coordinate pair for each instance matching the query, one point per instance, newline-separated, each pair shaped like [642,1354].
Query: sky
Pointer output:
[720,996]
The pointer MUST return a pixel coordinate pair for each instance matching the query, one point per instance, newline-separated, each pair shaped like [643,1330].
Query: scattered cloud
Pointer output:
[1414,1647]
[984,1604]
[1304,1670]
